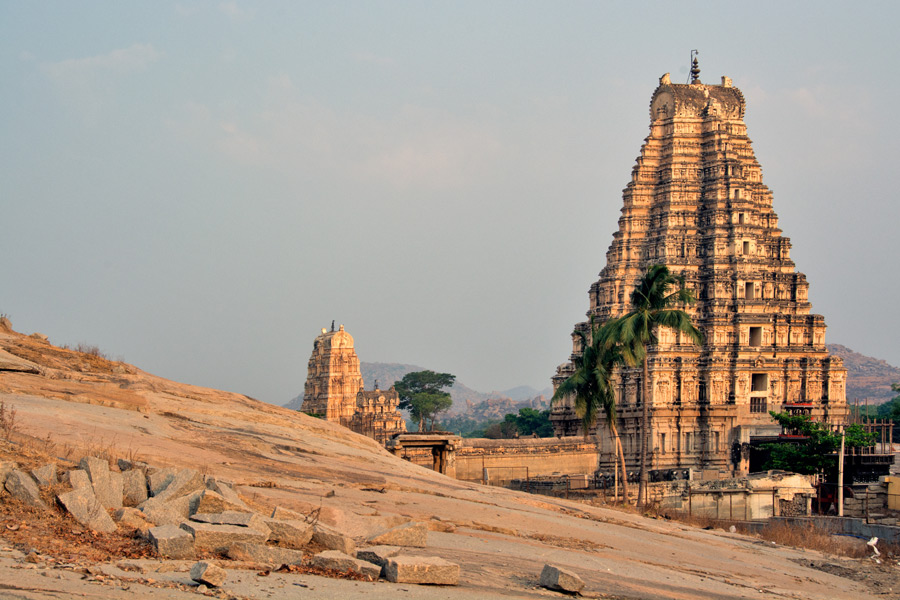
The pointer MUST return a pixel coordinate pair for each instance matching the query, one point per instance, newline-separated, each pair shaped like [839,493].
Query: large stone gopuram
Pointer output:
[334,390]
[696,202]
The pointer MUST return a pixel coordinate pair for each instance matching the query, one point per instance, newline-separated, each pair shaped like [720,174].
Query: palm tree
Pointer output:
[653,305]
[591,386]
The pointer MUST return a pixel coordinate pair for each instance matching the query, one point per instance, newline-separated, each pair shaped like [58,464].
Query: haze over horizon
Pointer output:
[200,187]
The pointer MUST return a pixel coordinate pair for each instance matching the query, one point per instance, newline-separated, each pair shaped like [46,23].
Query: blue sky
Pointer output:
[198,188]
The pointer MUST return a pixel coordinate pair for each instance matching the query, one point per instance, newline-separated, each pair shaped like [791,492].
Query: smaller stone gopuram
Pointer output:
[335,391]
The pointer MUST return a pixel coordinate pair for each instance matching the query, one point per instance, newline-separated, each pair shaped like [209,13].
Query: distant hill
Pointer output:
[867,377]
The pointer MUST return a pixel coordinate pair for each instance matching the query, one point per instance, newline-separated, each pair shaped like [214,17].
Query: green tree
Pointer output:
[815,453]
[591,387]
[891,410]
[534,422]
[653,305]
[422,393]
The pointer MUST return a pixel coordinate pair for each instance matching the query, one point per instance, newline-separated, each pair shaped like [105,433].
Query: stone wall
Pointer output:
[515,459]
[758,496]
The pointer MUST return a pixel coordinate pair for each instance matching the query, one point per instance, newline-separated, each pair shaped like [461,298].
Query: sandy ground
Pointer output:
[500,538]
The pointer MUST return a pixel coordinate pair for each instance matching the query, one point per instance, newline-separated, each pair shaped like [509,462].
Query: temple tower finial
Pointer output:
[695,67]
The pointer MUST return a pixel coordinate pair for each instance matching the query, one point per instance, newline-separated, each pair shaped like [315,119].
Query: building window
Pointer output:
[741,218]
[746,248]
[758,405]
[760,383]
[701,392]
[756,336]
[748,291]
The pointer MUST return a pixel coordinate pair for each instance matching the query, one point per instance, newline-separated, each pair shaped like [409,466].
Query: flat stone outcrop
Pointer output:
[422,570]
[289,534]
[338,561]
[171,541]
[208,573]
[23,488]
[260,553]
[45,476]
[134,487]
[218,538]
[85,508]
[557,578]
[333,540]
[378,555]
[414,535]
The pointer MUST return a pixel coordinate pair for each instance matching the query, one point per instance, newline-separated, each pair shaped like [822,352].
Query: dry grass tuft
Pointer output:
[811,538]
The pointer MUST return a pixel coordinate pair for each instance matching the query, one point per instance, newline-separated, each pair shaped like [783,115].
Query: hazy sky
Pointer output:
[199,187]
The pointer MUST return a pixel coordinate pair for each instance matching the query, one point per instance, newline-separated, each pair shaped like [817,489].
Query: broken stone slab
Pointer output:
[214,502]
[227,491]
[230,517]
[330,539]
[134,487]
[117,487]
[338,561]
[132,518]
[107,488]
[218,538]
[378,555]
[128,465]
[289,534]
[414,535]
[208,573]
[172,512]
[184,482]
[260,553]
[557,578]
[77,478]
[45,476]
[85,508]
[21,486]
[284,514]
[422,570]
[160,478]
[171,541]
[6,467]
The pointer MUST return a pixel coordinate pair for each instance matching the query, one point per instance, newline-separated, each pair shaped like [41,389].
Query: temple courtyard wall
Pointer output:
[497,462]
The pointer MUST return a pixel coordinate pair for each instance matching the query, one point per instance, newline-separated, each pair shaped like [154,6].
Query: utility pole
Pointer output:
[840,494]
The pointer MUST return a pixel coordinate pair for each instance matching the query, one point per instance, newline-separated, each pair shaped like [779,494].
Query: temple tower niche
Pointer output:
[696,202]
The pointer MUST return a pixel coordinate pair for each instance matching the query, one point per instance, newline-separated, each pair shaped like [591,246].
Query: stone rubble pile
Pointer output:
[183,513]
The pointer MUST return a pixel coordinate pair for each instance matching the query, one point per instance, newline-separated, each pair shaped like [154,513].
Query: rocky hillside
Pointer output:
[70,404]
[867,377]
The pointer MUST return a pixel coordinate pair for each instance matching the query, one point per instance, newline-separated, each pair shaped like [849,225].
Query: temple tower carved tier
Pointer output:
[696,202]
[334,390]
